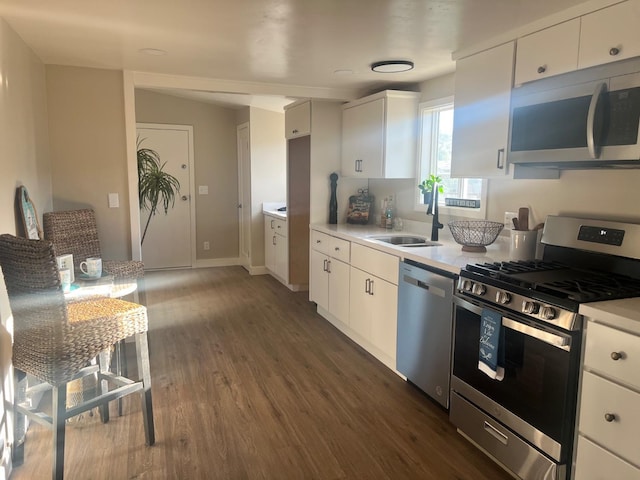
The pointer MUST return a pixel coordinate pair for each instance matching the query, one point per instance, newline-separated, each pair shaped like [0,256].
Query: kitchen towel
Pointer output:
[490,327]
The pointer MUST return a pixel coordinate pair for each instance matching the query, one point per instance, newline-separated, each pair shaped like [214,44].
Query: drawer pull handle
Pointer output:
[609,417]
[542,68]
[614,51]
[616,356]
[318,241]
[337,249]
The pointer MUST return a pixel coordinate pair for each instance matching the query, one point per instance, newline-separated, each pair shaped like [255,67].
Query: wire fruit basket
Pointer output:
[475,235]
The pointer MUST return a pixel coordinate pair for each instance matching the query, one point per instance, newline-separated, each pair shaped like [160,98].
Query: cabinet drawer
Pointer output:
[279,226]
[595,463]
[375,262]
[601,397]
[320,241]
[604,344]
[340,249]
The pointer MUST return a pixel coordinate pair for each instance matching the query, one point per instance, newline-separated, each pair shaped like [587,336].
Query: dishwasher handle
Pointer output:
[425,286]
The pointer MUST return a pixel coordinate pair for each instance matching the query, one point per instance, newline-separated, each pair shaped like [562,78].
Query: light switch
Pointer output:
[203,189]
[114,200]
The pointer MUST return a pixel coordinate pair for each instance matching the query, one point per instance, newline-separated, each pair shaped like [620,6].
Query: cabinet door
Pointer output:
[384,320]
[361,304]
[339,290]
[269,244]
[610,34]
[282,257]
[297,120]
[481,113]
[319,279]
[363,140]
[595,463]
[551,51]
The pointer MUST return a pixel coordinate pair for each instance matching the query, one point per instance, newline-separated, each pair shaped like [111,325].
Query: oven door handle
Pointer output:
[546,337]
[553,339]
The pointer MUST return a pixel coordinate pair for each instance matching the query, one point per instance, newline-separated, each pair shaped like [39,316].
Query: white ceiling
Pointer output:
[311,43]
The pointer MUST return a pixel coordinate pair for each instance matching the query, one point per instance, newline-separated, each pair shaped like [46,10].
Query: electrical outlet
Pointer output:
[206,245]
[508,219]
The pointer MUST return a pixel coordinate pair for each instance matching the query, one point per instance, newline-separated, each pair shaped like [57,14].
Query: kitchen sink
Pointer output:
[405,240]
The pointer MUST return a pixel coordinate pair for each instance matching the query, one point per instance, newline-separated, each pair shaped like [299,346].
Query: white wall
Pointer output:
[24,160]
[268,171]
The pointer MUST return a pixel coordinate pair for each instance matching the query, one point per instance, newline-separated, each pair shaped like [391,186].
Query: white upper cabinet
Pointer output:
[551,51]
[610,34]
[481,113]
[606,35]
[379,135]
[297,120]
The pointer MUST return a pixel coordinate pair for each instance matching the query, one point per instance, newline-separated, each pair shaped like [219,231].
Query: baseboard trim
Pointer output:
[261,270]
[217,262]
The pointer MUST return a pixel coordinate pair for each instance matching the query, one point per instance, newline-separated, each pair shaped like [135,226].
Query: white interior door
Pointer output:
[168,241]
[244,193]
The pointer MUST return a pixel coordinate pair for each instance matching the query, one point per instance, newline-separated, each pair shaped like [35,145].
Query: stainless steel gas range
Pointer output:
[521,409]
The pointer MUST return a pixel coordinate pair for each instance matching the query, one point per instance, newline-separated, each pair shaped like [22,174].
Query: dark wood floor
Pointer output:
[250,383]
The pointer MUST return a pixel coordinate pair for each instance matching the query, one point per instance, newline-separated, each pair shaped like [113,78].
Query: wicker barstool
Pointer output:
[76,232]
[55,341]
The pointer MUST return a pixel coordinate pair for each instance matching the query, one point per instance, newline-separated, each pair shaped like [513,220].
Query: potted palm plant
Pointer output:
[156,188]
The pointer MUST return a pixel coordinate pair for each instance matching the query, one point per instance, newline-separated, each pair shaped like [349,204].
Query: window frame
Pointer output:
[443,209]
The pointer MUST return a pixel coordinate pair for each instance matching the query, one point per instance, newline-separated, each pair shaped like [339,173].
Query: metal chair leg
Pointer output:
[19,419]
[59,410]
[103,361]
[144,371]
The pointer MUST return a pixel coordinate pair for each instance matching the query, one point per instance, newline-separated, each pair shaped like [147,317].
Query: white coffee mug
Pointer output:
[523,244]
[92,267]
[65,279]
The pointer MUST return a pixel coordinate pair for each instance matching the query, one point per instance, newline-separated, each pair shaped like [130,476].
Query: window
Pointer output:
[436,132]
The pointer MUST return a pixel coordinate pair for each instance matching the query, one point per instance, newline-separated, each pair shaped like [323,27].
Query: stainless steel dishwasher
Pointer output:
[425,326]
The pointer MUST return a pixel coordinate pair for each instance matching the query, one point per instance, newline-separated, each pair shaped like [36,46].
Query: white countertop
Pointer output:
[448,257]
[275,213]
[623,314]
[271,208]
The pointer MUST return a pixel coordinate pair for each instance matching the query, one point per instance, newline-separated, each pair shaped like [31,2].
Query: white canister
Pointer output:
[523,244]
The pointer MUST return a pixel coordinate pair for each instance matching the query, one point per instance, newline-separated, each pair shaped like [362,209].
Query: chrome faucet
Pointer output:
[432,209]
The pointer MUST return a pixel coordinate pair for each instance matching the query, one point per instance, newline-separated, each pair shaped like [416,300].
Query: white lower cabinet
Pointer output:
[329,275]
[356,289]
[374,301]
[372,312]
[276,249]
[329,285]
[609,419]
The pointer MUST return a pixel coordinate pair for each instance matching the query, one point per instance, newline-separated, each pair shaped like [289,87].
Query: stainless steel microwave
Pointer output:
[586,119]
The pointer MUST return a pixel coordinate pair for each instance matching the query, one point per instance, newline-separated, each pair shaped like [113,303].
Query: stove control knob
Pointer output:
[478,289]
[465,285]
[530,307]
[547,313]
[503,297]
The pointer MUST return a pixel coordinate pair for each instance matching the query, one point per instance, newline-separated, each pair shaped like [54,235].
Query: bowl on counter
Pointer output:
[475,235]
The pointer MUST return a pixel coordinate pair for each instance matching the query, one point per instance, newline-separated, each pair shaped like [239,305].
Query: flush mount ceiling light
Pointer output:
[392,66]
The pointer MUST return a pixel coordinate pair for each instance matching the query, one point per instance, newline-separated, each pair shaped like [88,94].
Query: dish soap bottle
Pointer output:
[388,214]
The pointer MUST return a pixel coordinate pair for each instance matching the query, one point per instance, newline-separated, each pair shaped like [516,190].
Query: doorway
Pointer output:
[244,194]
[169,241]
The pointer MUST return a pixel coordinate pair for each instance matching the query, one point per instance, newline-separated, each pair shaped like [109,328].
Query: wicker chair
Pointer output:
[76,232]
[54,341]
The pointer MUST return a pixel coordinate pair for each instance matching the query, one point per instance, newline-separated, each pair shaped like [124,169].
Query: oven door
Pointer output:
[537,396]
